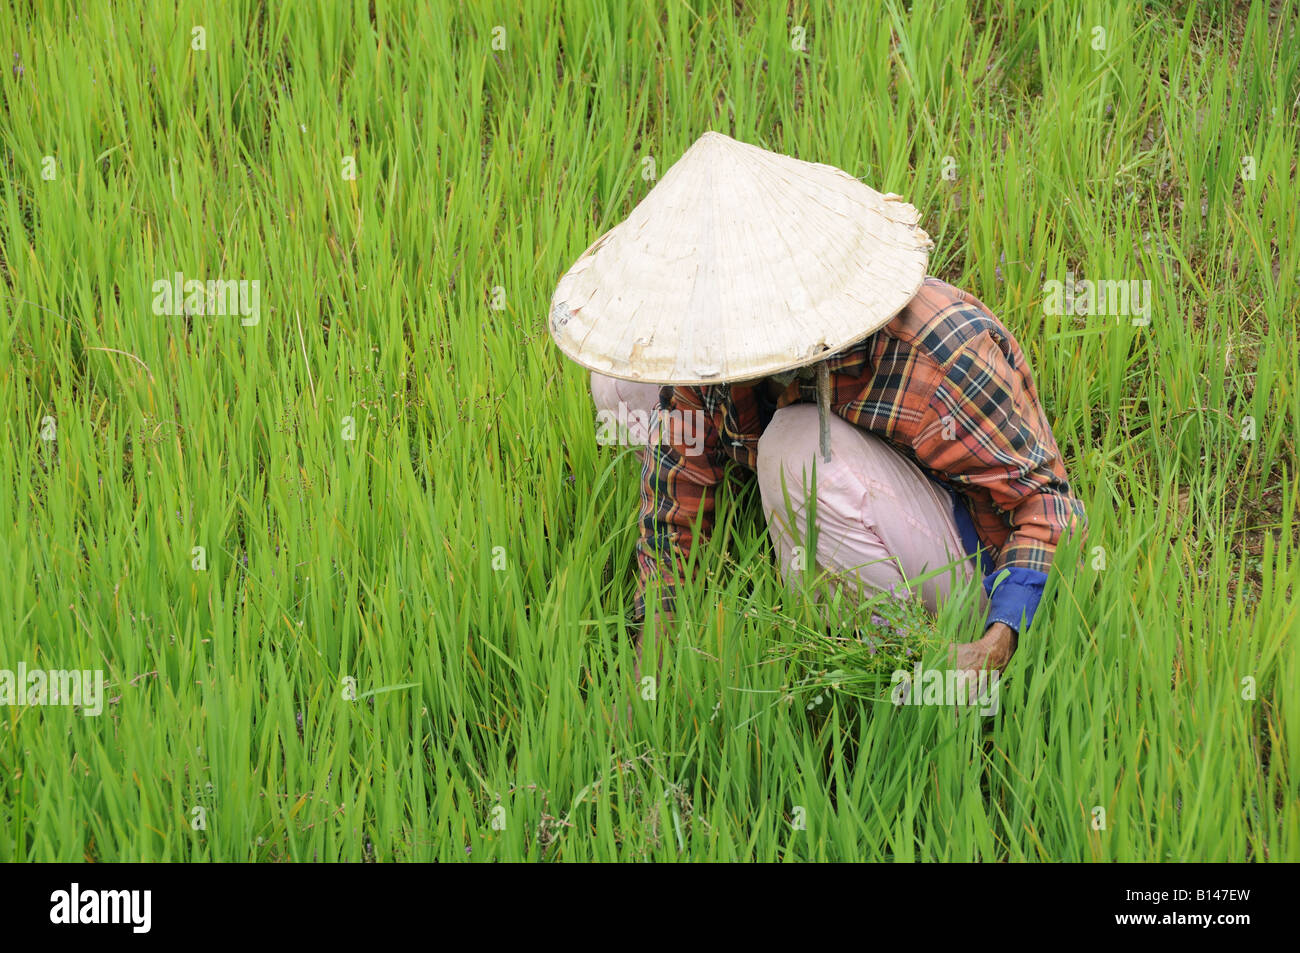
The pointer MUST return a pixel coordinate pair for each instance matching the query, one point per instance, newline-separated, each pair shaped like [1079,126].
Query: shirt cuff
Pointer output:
[1014,595]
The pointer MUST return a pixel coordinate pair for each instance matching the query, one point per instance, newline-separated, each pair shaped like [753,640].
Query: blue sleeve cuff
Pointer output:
[1014,595]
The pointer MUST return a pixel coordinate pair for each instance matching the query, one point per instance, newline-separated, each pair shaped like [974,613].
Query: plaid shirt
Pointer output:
[949,387]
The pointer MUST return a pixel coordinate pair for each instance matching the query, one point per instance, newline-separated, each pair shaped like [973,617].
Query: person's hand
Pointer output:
[992,652]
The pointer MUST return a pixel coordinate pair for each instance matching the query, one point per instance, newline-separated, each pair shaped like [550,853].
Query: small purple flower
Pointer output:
[878,620]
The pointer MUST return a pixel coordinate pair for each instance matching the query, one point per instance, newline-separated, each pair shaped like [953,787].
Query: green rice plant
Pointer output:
[358,575]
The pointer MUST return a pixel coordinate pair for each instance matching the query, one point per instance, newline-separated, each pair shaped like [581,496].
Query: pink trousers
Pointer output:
[881,524]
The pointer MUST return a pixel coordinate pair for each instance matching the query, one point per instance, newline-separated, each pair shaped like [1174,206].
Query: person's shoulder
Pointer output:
[941,320]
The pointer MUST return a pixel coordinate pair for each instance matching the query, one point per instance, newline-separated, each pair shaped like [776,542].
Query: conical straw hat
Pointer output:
[740,263]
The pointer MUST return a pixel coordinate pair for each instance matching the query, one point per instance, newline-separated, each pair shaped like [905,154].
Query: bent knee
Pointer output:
[792,432]
[608,393]
[790,443]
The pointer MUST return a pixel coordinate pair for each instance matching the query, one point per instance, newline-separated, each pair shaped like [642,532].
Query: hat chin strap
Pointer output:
[824,408]
[821,370]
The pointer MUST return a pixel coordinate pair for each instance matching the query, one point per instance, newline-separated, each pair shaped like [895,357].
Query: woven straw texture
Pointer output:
[738,264]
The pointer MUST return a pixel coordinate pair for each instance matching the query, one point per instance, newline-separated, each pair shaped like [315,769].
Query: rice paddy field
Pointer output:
[358,575]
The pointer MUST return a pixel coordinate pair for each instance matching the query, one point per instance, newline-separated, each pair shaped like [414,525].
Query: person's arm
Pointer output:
[678,476]
[985,430]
